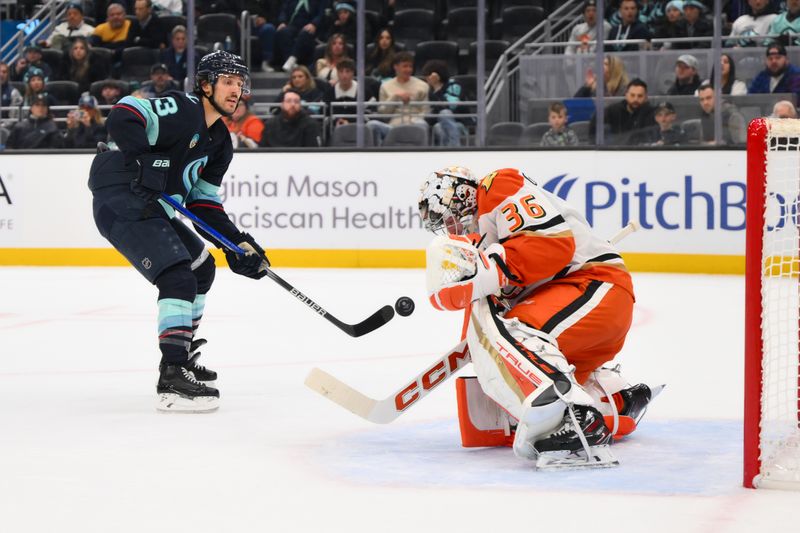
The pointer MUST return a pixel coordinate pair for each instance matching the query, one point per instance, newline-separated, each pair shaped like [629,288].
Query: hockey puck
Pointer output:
[404,306]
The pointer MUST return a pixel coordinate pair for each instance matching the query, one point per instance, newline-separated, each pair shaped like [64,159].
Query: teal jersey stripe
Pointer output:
[151,119]
[173,312]
[204,190]
[168,209]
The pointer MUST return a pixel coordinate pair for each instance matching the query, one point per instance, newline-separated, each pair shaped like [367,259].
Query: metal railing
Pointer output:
[39,27]
[502,84]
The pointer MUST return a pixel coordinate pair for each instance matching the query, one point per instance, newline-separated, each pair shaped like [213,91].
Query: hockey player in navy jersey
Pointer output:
[176,144]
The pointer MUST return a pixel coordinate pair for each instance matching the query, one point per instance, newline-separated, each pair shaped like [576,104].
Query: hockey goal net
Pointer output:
[772,306]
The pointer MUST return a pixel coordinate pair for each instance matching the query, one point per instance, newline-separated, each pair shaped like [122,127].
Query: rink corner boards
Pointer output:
[293,258]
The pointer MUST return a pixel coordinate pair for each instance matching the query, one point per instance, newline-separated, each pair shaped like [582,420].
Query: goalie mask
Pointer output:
[448,201]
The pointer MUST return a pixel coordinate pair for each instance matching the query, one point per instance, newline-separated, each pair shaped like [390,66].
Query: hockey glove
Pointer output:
[458,273]
[152,178]
[253,263]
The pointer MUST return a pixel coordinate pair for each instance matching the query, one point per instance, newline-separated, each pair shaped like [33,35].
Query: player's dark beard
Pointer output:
[218,108]
[780,72]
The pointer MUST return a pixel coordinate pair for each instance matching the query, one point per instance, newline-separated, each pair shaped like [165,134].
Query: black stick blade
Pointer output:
[373,322]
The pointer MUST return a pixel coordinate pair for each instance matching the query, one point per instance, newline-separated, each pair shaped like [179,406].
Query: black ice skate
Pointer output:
[571,447]
[202,374]
[635,400]
[632,403]
[179,391]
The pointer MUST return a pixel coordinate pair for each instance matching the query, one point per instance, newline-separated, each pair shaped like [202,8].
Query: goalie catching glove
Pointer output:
[253,263]
[458,273]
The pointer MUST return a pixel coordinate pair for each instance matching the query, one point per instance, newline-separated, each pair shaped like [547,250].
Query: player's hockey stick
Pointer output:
[371,323]
[388,409]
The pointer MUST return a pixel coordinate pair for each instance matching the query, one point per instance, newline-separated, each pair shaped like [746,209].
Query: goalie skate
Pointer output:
[601,457]
[581,441]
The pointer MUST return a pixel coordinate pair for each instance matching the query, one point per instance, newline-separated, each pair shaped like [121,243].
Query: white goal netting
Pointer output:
[780,317]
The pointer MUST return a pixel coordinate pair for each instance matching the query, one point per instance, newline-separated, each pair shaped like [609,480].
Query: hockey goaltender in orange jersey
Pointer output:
[551,302]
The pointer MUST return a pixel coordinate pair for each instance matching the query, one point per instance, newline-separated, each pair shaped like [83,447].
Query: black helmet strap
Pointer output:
[213,101]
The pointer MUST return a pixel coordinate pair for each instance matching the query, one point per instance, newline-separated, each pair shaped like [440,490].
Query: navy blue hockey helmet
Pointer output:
[212,65]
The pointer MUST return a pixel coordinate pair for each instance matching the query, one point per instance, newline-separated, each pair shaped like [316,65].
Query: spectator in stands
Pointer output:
[650,11]
[160,82]
[447,130]
[34,87]
[346,90]
[380,62]
[779,76]
[73,27]
[32,58]
[302,83]
[335,51]
[666,132]
[245,127]
[686,78]
[79,66]
[615,76]
[85,125]
[629,28]
[733,123]
[559,134]
[403,89]
[146,30]
[693,25]
[39,130]
[113,33]
[110,93]
[174,57]
[626,121]
[586,31]
[344,22]
[784,109]
[730,85]
[298,22]
[9,96]
[667,28]
[292,127]
[757,22]
[168,7]
[787,23]
[265,13]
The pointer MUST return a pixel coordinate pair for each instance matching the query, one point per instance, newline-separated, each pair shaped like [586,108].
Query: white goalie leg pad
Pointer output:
[498,364]
[536,395]
[604,382]
[601,385]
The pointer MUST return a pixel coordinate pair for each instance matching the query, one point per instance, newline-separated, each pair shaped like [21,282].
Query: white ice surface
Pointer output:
[82,448]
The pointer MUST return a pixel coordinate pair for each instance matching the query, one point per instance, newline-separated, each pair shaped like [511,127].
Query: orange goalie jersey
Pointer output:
[564,281]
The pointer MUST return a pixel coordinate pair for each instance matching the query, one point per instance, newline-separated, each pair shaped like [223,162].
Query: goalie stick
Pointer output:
[388,409]
[385,411]
[369,324]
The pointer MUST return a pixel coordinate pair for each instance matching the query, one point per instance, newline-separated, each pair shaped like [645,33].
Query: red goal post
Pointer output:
[772,306]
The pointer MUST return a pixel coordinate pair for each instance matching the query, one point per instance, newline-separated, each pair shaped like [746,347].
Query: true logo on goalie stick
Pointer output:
[430,379]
